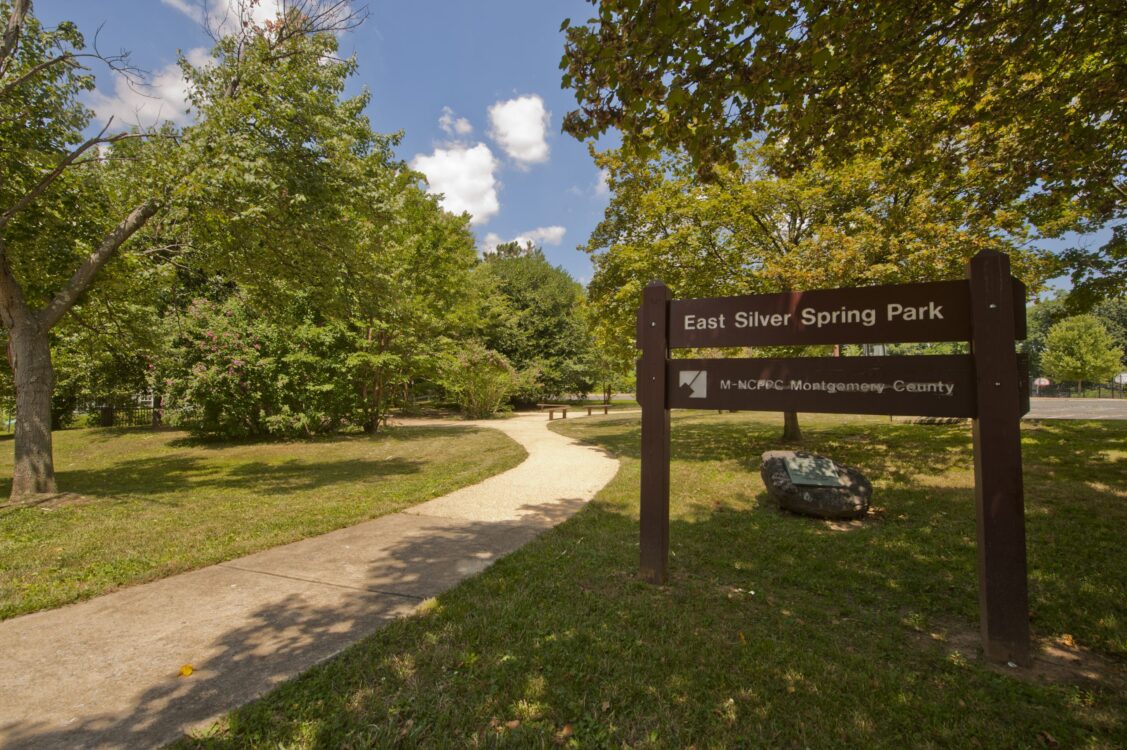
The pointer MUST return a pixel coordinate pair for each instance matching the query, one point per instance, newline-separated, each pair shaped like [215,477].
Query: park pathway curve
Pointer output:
[105,673]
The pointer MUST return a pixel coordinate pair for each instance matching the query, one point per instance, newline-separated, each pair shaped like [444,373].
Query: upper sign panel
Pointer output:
[904,313]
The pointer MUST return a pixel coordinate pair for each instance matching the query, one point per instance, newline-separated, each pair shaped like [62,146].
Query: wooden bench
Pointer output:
[562,409]
[553,408]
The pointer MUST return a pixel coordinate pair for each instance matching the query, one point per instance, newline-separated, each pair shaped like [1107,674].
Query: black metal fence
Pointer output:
[135,415]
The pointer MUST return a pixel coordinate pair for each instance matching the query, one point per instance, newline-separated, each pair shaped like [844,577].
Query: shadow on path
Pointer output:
[312,621]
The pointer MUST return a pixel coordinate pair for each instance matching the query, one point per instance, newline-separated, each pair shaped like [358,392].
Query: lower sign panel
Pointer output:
[923,386]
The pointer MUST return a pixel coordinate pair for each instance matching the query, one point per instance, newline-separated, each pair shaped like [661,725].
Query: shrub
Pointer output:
[237,376]
[479,380]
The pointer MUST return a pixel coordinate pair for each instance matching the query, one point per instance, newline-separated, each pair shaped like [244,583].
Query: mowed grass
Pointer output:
[141,505]
[774,630]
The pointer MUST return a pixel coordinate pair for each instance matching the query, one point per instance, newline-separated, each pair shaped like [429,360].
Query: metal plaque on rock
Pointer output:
[812,470]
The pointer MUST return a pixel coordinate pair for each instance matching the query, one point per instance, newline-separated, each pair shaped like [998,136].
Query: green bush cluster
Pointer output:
[237,375]
[480,380]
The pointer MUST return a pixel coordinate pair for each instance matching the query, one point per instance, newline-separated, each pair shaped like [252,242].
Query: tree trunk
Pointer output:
[30,355]
[791,431]
[377,407]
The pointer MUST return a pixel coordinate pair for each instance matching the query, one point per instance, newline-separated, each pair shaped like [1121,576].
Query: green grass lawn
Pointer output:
[141,505]
[774,631]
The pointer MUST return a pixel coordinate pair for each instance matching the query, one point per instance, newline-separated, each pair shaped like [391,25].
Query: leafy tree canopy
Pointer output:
[1111,313]
[276,153]
[748,231]
[537,322]
[1015,103]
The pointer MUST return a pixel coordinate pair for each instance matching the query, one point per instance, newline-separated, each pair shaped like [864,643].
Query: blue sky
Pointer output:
[473,85]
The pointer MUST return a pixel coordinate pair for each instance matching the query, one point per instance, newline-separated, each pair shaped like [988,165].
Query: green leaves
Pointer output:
[533,317]
[480,380]
[1080,349]
[748,231]
[1003,104]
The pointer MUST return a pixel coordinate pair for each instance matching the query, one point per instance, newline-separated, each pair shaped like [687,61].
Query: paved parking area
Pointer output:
[1077,408]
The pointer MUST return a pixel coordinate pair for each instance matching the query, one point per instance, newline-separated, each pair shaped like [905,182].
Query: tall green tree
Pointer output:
[1111,313]
[272,135]
[748,232]
[406,301]
[1080,349]
[1007,105]
[540,324]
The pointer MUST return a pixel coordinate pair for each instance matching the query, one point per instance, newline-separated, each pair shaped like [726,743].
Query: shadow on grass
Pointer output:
[772,632]
[398,433]
[166,473]
[142,477]
[775,631]
[887,452]
[1075,450]
[893,452]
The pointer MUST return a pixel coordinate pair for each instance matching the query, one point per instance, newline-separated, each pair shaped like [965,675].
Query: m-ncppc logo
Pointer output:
[696,381]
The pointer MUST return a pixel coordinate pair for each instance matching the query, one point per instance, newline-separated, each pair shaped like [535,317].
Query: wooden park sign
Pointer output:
[989,385]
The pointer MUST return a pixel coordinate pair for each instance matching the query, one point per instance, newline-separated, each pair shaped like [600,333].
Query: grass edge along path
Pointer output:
[144,505]
[775,630]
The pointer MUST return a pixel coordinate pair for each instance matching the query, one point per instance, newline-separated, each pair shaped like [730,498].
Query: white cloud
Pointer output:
[552,235]
[452,125]
[199,57]
[164,97]
[602,187]
[187,7]
[490,243]
[520,127]
[465,177]
[227,17]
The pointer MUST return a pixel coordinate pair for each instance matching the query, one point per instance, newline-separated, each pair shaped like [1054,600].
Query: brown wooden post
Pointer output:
[654,339]
[1003,597]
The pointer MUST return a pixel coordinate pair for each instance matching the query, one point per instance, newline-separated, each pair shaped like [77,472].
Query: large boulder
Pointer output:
[845,495]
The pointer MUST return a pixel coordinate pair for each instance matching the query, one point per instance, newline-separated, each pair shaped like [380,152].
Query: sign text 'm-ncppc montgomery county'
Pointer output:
[936,311]
[898,386]
[930,386]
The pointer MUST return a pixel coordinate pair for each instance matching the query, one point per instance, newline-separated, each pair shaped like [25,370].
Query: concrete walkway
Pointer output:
[105,673]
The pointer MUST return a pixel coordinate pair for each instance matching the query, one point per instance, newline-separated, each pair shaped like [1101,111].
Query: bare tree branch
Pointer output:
[84,276]
[118,63]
